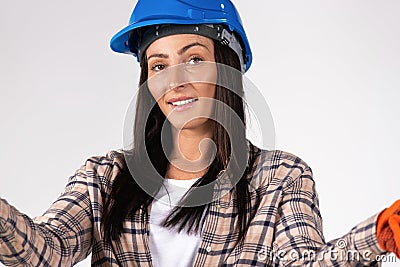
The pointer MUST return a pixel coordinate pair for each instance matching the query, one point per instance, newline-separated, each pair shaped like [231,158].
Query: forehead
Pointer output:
[177,41]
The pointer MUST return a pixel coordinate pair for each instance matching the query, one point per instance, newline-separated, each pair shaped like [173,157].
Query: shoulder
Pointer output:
[277,167]
[112,159]
[102,169]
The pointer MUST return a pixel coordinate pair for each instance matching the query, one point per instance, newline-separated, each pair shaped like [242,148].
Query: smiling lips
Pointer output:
[181,103]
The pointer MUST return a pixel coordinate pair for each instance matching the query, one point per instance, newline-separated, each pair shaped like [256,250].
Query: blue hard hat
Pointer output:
[156,12]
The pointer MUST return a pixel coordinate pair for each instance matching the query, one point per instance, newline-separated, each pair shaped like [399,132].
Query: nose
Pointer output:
[171,78]
[176,79]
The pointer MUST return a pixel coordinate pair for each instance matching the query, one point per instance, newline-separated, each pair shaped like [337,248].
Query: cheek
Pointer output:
[207,90]
[163,106]
[155,91]
[211,91]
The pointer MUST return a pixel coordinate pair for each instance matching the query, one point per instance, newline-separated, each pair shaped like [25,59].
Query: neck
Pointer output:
[189,142]
[192,150]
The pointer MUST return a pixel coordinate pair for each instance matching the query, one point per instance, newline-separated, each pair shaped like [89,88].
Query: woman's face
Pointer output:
[180,80]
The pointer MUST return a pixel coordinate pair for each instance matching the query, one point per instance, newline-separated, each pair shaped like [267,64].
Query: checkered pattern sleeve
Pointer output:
[61,237]
[285,230]
[299,240]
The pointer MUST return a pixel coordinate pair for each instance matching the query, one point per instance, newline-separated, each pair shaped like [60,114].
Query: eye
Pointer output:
[195,60]
[158,67]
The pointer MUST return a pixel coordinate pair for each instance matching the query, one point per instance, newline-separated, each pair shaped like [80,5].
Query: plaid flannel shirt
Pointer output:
[286,228]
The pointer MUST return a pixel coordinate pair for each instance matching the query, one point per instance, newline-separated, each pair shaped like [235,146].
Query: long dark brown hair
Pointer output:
[127,196]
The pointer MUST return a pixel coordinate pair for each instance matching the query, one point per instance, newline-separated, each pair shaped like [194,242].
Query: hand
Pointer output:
[388,229]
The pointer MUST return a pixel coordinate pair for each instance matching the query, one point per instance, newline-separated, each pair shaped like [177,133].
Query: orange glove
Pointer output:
[388,229]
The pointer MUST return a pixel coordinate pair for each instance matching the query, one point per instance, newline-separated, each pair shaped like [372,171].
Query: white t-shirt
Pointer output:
[168,247]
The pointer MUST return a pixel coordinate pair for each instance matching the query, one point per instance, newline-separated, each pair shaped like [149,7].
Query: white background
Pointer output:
[329,71]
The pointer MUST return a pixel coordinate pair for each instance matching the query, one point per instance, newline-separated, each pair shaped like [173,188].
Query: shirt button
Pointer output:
[208,249]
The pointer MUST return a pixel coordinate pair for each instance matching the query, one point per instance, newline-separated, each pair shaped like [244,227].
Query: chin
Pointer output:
[196,124]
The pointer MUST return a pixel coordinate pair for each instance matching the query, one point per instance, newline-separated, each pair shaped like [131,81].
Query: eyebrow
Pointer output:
[180,52]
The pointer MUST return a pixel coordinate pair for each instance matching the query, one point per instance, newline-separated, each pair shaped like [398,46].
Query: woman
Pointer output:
[261,208]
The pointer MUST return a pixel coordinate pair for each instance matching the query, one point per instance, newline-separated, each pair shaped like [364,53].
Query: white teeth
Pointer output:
[183,102]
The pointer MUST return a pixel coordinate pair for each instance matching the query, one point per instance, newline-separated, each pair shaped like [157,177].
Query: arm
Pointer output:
[60,237]
[299,239]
